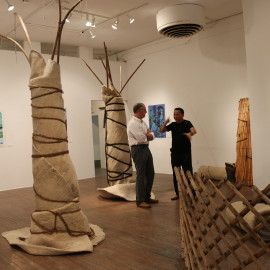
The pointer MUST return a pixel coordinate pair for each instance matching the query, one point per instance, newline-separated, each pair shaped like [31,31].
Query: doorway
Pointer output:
[98,131]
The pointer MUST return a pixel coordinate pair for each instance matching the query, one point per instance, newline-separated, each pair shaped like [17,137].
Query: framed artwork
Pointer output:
[1,129]
[156,114]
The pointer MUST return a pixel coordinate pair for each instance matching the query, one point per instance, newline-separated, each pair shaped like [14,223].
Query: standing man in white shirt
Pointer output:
[139,136]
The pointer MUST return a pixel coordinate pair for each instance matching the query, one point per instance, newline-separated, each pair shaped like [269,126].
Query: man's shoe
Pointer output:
[175,198]
[144,205]
[152,201]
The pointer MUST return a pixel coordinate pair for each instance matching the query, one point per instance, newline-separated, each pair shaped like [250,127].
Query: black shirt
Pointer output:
[180,143]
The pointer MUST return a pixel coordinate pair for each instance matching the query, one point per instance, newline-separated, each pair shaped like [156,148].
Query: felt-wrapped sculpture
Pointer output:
[58,225]
[118,158]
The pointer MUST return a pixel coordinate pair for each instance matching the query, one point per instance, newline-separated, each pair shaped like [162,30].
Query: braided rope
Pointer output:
[121,178]
[116,122]
[51,154]
[50,200]
[51,138]
[119,174]
[114,146]
[55,230]
[46,94]
[72,233]
[48,107]
[49,118]
[45,87]
[119,160]
[58,140]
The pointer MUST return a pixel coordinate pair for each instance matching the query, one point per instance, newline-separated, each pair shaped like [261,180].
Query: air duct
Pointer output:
[181,20]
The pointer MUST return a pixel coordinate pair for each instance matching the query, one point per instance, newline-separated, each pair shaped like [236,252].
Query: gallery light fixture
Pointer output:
[88,23]
[115,25]
[131,19]
[101,19]
[93,22]
[92,34]
[10,7]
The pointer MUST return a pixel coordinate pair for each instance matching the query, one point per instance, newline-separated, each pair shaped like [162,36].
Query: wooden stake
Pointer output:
[131,76]
[93,72]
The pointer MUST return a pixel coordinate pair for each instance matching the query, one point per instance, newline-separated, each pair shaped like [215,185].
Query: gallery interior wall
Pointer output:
[258,58]
[205,75]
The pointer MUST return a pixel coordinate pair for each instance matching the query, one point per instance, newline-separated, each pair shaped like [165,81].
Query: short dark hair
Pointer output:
[137,106]
[180,110]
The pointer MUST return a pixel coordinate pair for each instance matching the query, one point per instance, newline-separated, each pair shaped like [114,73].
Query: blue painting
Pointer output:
[1,129]
[156,115]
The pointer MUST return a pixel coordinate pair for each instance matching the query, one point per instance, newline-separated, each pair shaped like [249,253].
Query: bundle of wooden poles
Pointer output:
[209,239]
[243,162]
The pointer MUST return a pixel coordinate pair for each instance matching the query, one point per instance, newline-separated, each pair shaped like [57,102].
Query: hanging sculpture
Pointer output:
[243,162]
[118,158]
[58,225]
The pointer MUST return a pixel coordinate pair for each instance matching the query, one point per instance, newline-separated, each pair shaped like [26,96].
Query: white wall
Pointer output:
[205,75]
[80,87]
[256,18]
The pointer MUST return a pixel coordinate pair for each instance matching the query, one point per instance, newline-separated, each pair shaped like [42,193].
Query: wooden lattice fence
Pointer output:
[216,235]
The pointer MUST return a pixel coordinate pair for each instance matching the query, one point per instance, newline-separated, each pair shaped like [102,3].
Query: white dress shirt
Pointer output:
[136,131]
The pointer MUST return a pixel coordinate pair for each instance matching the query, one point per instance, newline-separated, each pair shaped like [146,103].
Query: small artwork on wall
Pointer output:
[156,114]
[1,129]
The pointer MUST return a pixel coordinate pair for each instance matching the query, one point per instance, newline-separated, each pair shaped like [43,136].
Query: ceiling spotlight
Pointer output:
[93,22]
[131,20]
[91,34]
[115,25]
[88,23]
[10,7]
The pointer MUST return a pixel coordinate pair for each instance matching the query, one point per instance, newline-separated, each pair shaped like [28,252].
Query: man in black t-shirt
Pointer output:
[182,131]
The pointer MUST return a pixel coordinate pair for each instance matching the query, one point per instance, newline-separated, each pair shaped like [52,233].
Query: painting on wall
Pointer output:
[156,114]
[1,129]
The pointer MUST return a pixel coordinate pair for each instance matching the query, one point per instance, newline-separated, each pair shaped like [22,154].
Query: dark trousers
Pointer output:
[143,161]
[183,160]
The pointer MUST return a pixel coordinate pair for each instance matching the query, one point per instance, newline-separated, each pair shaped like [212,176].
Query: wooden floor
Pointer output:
[136,239]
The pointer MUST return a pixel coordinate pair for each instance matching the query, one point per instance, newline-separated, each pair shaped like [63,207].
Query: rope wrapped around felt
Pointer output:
[118,159]
[58,225]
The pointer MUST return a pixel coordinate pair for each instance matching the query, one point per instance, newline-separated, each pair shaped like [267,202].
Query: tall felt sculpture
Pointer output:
[58,225]
[118,158]
[243,162]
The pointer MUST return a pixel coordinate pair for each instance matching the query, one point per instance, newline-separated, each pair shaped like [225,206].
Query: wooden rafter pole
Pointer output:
[93,72]
[60,29]
[24,29]
[108,65]
[131,76]
[27,37]
[14,41]
[106,72]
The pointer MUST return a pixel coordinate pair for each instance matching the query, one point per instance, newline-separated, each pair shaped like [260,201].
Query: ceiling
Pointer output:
[41,19]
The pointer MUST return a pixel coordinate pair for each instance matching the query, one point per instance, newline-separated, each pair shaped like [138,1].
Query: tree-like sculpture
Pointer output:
[58,225]
[118,158]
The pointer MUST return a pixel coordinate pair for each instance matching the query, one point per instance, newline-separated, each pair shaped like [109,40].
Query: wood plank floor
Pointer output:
[136,239]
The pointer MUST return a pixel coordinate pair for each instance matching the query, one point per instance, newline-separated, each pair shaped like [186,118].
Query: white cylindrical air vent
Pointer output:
[181,20]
